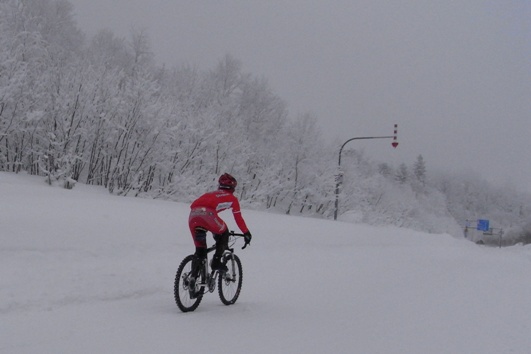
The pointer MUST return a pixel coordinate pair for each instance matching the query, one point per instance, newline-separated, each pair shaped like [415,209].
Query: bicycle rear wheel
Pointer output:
[230,282]
[186,298]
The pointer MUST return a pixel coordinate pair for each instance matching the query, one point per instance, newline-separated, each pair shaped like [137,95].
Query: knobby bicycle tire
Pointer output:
[181,289]
[230,284]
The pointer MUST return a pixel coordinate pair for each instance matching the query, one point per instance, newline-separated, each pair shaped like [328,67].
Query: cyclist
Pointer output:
[204,217]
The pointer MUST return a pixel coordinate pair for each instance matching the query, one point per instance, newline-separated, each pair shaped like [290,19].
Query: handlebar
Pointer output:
[232,233]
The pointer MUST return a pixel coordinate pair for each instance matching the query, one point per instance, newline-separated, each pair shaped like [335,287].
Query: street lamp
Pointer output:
[339,177]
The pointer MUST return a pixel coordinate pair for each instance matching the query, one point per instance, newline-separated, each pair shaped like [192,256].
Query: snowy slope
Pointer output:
[82,271]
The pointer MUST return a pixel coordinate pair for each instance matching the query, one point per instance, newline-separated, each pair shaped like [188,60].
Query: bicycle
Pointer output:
[189,290]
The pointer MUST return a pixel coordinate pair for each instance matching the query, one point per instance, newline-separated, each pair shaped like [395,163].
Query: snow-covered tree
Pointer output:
[419,170]
[402,174]
[102,112]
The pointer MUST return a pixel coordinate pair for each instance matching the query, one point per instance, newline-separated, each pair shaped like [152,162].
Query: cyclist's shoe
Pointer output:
[218,265]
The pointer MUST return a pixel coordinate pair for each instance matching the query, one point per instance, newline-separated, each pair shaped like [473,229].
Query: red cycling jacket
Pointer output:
[220,200]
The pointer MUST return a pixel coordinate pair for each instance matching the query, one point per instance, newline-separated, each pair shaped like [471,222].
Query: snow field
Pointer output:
[82,271]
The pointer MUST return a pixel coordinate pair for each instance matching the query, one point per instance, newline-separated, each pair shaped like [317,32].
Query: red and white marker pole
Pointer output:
[395,141]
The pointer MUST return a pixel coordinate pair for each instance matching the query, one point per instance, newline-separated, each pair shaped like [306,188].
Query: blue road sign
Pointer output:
[483,225]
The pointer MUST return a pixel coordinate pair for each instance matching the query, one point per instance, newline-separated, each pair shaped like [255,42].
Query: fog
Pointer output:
[454,76]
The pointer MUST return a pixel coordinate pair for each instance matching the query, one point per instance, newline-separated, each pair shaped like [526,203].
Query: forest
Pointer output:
[101,111]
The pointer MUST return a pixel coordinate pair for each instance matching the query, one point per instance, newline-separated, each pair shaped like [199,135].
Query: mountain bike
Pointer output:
[189,288]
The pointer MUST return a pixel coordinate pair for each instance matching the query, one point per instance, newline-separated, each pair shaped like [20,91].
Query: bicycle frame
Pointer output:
[210,276]
[189,291]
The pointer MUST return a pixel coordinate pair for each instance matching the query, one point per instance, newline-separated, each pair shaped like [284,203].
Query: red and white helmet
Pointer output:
[226,181]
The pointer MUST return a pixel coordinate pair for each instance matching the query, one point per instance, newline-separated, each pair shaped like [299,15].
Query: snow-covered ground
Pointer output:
[82,271]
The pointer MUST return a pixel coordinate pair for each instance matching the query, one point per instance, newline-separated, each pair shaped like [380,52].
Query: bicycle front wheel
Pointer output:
[187,295]
[230,282]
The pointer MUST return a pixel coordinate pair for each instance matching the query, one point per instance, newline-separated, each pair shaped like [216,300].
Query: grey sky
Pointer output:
[454,75]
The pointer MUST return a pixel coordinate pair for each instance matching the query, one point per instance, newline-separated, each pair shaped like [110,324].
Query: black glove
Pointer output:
[247,237]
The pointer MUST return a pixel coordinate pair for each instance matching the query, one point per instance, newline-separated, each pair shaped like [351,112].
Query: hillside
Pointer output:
[83,271]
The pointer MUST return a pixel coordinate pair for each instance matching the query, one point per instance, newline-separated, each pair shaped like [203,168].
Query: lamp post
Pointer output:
[339,177]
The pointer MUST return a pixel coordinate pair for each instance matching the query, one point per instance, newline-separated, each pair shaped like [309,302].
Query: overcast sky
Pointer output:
[454,75]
